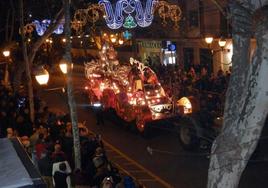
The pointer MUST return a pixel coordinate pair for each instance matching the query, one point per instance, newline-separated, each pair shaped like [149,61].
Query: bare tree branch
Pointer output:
[48,32]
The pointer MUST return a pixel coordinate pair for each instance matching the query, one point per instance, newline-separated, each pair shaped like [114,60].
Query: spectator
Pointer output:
[58,155]
[45,168]
[61,175]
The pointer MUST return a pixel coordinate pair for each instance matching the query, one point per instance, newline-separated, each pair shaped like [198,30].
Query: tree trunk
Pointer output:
[246,103]
[72,105]
[27,64]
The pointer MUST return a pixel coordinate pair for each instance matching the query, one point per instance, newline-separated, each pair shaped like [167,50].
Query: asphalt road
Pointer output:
[168,161]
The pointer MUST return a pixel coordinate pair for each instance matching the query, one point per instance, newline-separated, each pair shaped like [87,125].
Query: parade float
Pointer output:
[134,92]
[131,89]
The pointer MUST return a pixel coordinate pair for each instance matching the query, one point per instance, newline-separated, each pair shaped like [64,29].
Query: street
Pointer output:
[168,162]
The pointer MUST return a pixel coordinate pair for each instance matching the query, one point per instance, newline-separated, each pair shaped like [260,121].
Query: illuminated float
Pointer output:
[131,89]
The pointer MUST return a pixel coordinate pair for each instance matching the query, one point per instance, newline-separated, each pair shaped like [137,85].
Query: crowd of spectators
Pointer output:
[180,83]
[49,142]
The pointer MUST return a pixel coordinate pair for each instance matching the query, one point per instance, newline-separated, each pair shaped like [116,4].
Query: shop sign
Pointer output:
[150,44]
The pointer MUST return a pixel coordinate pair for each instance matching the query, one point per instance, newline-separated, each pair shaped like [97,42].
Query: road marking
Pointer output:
[157,178]
[130,160]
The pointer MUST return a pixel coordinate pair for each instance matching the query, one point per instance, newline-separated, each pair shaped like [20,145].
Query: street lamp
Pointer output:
[113,38]
[222,43]
[63,67]
[209,40]
[120,41]
[6,53]
[41,76]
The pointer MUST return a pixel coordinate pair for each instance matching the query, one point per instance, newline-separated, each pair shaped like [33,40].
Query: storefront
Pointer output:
[157,51]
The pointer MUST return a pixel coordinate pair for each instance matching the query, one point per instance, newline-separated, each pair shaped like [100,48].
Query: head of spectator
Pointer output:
[62,167]
[10,133]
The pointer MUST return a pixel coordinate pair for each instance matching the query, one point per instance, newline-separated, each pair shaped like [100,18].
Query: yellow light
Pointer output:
[6,53]
[63,67]
[47,40]
[209,40]
[113,38]
[186,104]
[222,43]
[64,40]
[120,41]
[42,76]
[50,41]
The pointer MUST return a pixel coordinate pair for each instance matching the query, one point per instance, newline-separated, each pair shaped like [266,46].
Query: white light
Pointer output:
[97,104]
[209,40]
[42,77]
[64,40]
[63,67]
[121,41]
[6,53]
[222,43]
[113,39]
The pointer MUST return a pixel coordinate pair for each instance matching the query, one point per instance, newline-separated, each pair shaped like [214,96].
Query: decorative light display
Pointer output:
[129,22]
[42,26]
[127,35]
[165,10]
[126,13]
[115,18]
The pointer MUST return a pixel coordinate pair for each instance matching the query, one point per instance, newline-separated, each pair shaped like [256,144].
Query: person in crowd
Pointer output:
[58,154]
[100,116]
[61,175]
[40,146]
[45,167]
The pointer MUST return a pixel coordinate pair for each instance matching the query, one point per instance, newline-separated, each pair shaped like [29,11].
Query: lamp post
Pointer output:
[209,40]
[222,43]
[41,76]
[6,54]
[113,38]
[121,41]
[63,67]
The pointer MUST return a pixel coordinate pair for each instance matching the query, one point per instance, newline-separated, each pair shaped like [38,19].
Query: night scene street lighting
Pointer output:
[6,53]
[222,43]
[113,38]
[209,40]
[41,76]
[120,41]
[63,67]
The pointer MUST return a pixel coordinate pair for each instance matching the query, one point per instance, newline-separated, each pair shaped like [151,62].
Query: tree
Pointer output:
[246,104]
[71,102]
[29,55]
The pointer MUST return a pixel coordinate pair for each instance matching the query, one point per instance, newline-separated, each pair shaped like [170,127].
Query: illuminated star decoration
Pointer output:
[127,35]
[115,18]
[42,26]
